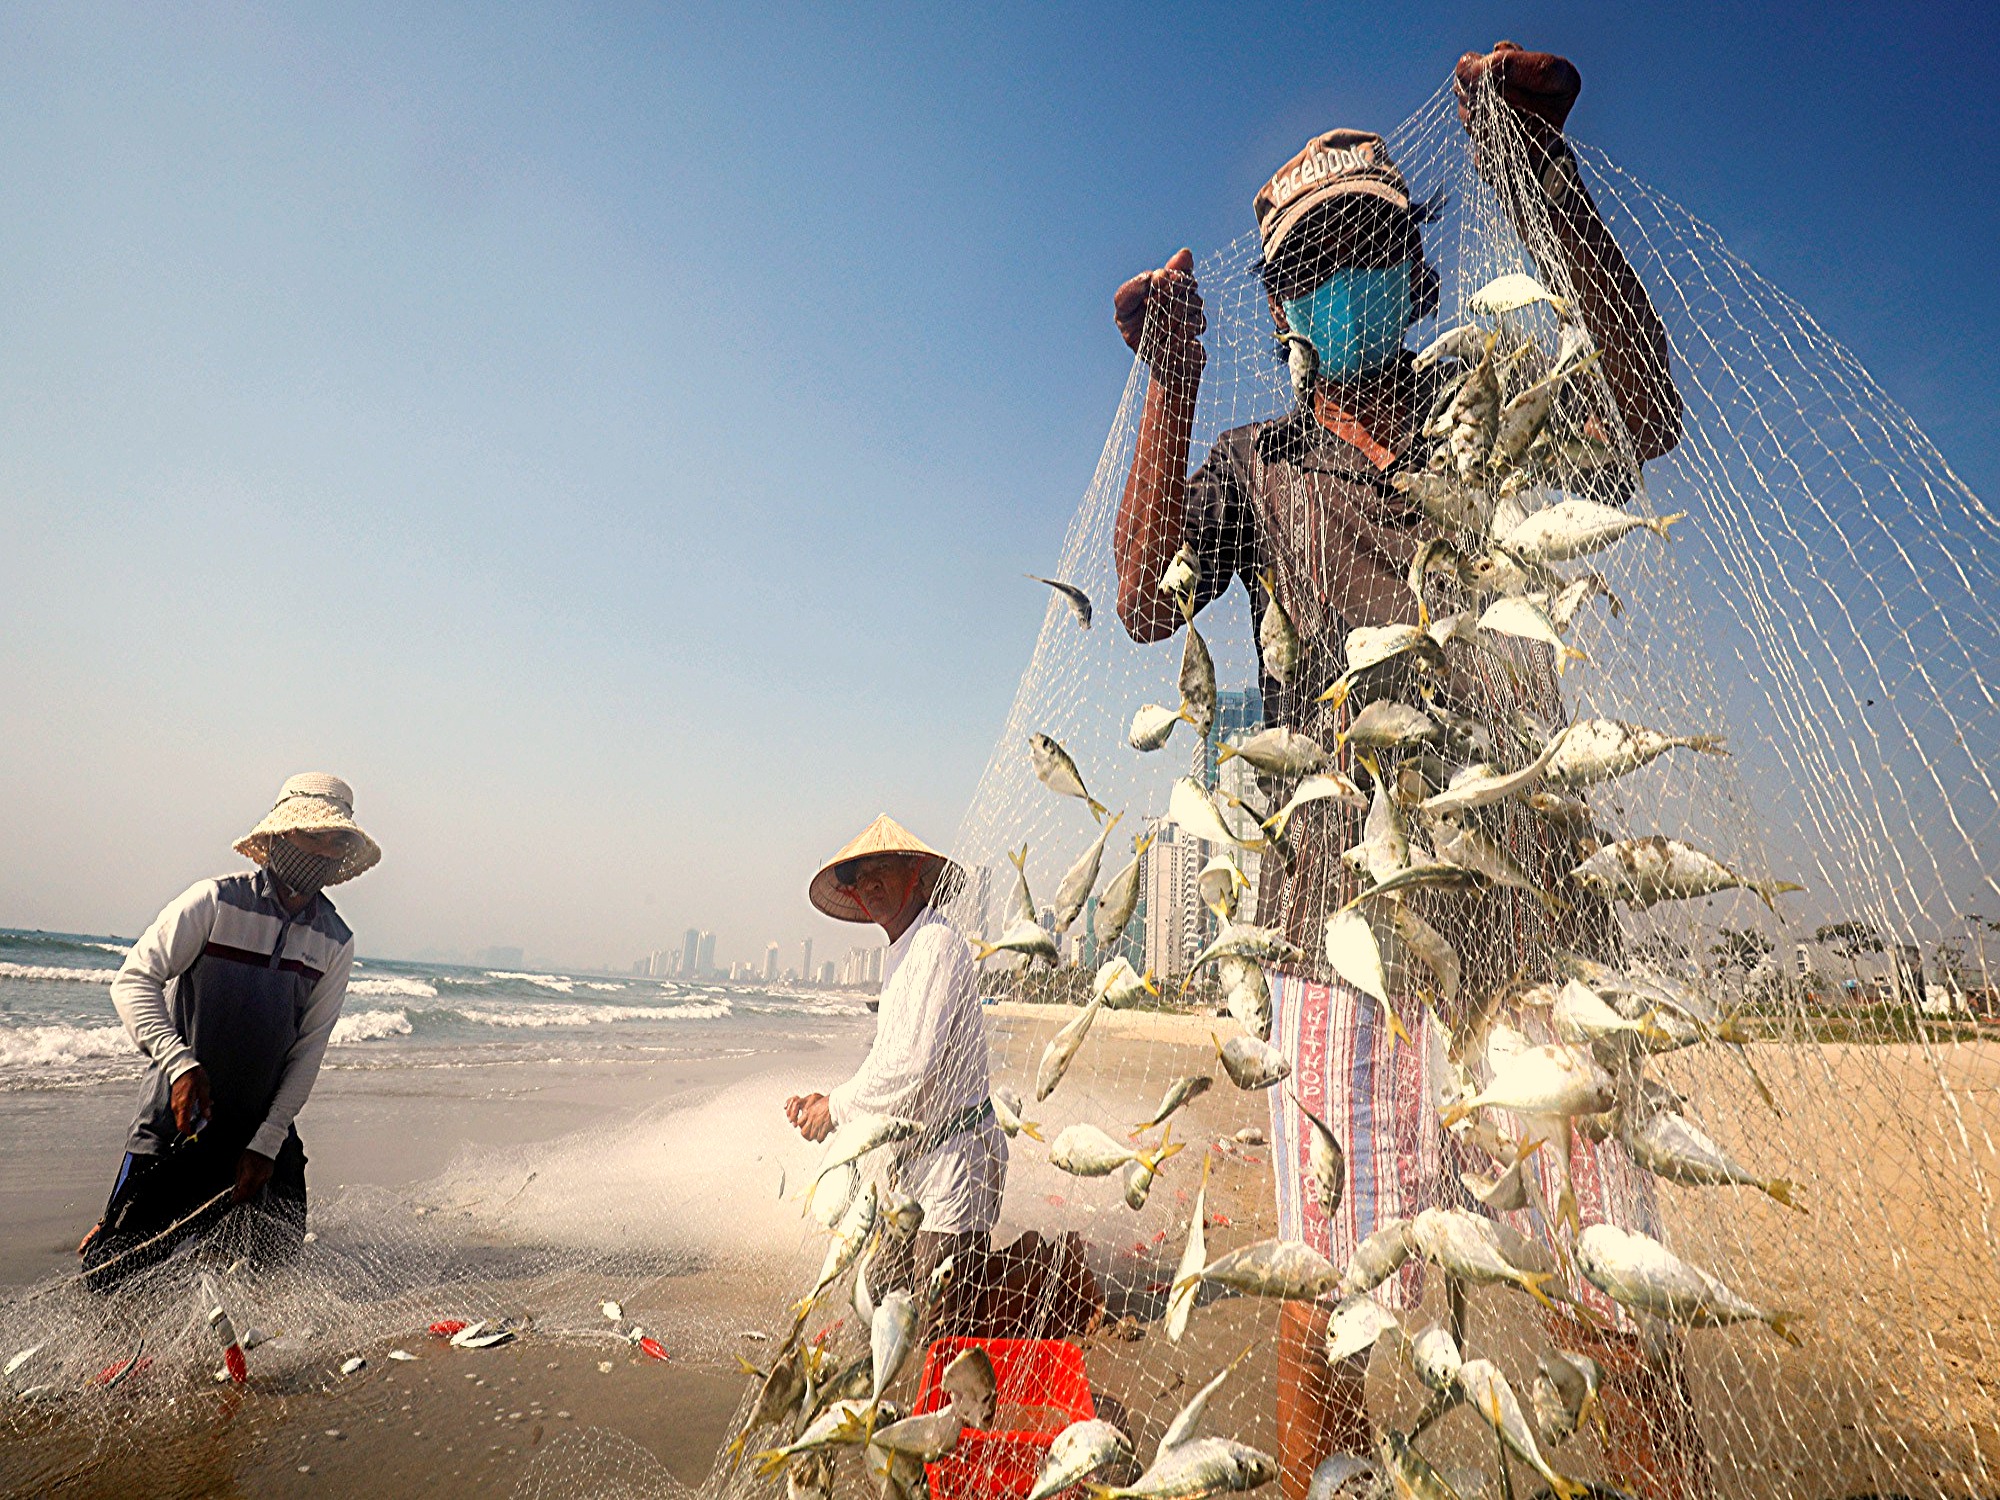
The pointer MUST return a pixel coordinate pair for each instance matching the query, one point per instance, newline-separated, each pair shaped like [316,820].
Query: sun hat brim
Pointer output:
[884,836]
[301,812]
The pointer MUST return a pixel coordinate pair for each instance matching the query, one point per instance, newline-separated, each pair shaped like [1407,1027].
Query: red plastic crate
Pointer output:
[1042,1390]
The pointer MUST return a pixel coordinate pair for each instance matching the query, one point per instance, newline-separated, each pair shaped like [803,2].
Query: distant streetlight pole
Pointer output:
[1979,926]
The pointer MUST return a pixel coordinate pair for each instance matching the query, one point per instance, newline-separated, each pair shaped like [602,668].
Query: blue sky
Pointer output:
[612,437]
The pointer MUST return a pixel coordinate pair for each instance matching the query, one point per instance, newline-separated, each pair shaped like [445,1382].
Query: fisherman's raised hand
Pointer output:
[253,1175]
[1538,87]
[190,1100]
[1169,340]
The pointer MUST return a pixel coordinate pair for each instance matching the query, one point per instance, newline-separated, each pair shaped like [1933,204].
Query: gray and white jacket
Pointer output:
[227,978]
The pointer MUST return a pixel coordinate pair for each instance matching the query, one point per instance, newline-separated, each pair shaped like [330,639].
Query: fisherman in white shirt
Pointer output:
[928,1062]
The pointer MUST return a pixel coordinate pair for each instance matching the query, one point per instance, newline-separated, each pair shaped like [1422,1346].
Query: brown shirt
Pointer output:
[1292,497]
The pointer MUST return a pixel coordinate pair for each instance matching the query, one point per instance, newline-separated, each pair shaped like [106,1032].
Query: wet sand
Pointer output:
[1895,1390]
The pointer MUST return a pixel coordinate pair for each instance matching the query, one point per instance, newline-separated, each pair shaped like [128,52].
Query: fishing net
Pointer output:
[1823,611]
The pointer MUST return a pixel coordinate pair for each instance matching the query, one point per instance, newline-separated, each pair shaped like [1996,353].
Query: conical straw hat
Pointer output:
[314,802]
[883,836]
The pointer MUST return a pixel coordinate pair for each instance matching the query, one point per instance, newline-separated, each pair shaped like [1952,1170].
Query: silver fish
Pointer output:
[1431,948]
[1385,841]
[1446,499]
[1185,1425]
[1197,682]
[1345,1476]
[1289,1270]
[1574,528]
[890,1338]
[1182,575]
[1468,1246]
[1566,602]
[1190,806]
[1355,1326]
[1487,1392]
[1246,995]
[844,1423]
[1062,1048]
[1301,362]
[1118,984]
[1121,897]
[1355,955]
[1669,1145]
[1186,1284]
[1153,726]
[1081,878]
[1519,616]
[1279,752]
[1080,1451]
[927,1438]
[1552,1080]
[810,1476]
[1460,843]
[1057,771]
[1009,1111]
[855,1226]
[1472,418]
[1564,1395]
[1512,292]
[1197,1469]
[1483,786]
[1029,939]
[1386,725]
[1086,1151]
[1136,1182]
[1180,1092]
[778,1397]
[1326,1161]
[1410,1475]
[1526,414]
[861,1135]
[1643,871]
[1435,1359]
[1251,1063]
[1328,786]
[1074,597]
[970,1383]
[1595,750]
[1277,638]
[1220,882]
[1465,342]
[1380,1255]
[1245,940]
[1639,1272]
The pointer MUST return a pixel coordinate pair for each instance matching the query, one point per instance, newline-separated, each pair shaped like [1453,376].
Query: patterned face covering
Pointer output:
[1355,318]
[301,873]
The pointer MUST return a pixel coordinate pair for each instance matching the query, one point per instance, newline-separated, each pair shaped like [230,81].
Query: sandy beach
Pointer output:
[570,1409]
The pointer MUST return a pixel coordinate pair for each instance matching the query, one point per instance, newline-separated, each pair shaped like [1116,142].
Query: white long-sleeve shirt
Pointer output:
[929,1064]
[257,1015]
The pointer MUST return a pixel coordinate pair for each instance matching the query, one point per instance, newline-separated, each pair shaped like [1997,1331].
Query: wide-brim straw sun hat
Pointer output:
[314,802]
[883,836]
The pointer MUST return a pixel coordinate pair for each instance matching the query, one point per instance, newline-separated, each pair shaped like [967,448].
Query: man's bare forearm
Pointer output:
[1620,316]
[1152,516]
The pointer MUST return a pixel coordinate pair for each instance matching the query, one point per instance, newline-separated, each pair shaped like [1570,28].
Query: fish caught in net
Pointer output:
[1389,885]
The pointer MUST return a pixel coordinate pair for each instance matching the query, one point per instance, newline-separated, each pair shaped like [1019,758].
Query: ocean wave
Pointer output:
[538,1016]
[407,988]
[369,1026]
[60,1046]
[561,984]
[56,972]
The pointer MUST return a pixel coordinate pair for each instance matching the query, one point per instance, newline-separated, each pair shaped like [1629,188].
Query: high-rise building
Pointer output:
[826,973]
[704,962]
[691,954]
[1174,913]
[875,964]
[771,963]
[806,975]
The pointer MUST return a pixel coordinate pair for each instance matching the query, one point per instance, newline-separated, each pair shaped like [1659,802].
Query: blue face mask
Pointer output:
[1355,318]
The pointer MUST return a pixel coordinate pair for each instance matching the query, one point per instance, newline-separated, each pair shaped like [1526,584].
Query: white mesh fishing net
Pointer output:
[1826,608]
